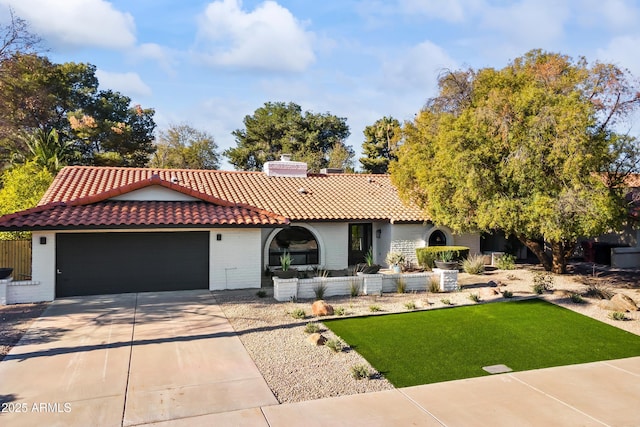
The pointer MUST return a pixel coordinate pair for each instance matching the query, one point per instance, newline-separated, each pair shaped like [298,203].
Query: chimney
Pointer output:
[285,168]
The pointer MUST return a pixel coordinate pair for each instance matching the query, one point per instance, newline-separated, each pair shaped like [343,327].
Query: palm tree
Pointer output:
[48,151]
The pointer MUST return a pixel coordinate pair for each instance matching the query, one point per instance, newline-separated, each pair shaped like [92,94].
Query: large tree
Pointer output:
[530,149]
[184,147]
[277,128]
[36,94]
[381,142]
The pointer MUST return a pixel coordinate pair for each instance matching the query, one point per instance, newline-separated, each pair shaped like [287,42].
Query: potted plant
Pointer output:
[370,267]
[444,261]
[395,259]
[285,263]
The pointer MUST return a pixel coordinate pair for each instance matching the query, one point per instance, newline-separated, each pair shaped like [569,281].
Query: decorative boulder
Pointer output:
[606,304]
[316,339]
[489,292]
[624,303]
[321,308]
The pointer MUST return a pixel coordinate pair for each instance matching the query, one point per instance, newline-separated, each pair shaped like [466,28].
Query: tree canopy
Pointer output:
[184,147]
[102,125]
[380,145]
[277,128]
[530,149]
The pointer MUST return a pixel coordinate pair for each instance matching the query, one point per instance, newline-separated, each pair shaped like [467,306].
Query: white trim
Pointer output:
[447,234]
[312,230]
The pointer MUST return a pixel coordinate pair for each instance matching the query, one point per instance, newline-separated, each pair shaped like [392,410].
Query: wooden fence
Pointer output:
[16,254]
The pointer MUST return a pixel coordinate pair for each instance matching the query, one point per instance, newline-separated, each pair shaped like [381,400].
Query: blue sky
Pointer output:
[210,63]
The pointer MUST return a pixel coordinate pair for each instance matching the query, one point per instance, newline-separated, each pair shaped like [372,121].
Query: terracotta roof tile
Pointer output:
[325,197]
[136,213]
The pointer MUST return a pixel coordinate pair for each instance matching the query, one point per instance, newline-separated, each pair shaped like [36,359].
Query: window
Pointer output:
[298,242]
[437,238]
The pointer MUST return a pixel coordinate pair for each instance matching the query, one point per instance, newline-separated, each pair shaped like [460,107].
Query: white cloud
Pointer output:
[618,52]
[418,68]
[77,23]
[528,23]
[616,15]
[129,84]
[268,38]
[450,10]
[157,53]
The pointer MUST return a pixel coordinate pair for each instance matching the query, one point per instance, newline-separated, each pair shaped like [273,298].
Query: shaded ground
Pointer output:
[15,319]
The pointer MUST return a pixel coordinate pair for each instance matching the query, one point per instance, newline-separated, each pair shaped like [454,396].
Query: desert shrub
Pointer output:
[360,372]
[576,298]
[373,308]
[354,287]
[401,285]
[617,315]
[339,311]
[474,297]
[542,281]
[506,262]
[426,256]
[298,313]
[319,290]
[599,291]
[446,301]
[434,284]
[261,294]
[473,264]
[410,305]
[335,344]
[312,328]
[507,294]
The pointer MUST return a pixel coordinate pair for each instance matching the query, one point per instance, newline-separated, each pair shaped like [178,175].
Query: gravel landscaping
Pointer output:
[296,370]
[15,320]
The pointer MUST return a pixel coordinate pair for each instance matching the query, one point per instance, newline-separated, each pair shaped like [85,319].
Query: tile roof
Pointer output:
[136,213]
[314,198]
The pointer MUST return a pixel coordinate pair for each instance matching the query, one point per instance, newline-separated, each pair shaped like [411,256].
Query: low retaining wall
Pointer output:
[368,284]
[23,291]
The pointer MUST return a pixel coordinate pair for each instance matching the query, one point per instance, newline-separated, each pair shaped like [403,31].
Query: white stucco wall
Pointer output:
[470,240]
[235,261]
[156,193]
[43,265]
[405,238]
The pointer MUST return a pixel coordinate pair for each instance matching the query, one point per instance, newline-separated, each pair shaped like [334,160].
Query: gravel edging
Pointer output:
[296,370]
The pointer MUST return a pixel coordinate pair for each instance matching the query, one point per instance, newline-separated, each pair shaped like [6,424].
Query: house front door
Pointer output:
[359,242]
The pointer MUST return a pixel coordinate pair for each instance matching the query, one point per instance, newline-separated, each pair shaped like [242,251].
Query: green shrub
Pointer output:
[474,297]
[373,308]
[360,372]
[473,264]
[410,305]
[261,294]
[506,262]
[446,301]
[599,291]
[312,328]
[576,298]
[401,285]
[426,256]
[298,313]
[339,311]
[542,281]
[334,344]
[507,294]
[618,315]
[319,290]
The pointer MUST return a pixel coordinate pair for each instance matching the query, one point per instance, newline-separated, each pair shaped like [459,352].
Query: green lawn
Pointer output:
[441,345]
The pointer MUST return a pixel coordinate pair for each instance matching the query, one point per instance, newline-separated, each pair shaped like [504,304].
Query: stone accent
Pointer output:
[316,339]
[406,248]
[624,302]
[321,308]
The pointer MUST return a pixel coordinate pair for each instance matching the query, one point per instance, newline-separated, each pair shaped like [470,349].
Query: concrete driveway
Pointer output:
[129,359]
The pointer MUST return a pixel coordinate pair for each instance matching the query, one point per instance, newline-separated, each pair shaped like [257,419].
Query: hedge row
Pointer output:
[426,256]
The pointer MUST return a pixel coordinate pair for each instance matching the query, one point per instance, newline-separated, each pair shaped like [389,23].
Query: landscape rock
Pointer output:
[316,339]
[489,292]
[608,305]
[321,308]
[624,302]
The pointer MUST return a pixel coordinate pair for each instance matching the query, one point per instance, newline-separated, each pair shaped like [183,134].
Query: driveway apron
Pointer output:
[128,359]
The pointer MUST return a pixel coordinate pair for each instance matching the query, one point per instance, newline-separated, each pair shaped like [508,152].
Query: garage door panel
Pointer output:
[103,263]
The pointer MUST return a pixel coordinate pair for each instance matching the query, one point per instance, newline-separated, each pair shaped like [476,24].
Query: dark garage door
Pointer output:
[108,263]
